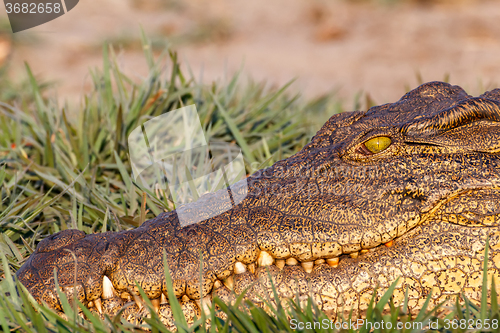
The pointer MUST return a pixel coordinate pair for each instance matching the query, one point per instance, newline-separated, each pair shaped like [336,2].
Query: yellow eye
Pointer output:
[378,144]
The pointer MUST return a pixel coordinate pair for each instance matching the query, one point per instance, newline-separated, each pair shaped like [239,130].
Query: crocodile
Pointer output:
[403,194]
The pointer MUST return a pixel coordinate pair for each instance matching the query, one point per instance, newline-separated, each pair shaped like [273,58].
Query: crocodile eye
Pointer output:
[378,144]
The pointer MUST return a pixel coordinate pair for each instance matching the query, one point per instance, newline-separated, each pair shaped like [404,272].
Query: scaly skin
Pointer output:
[432,197]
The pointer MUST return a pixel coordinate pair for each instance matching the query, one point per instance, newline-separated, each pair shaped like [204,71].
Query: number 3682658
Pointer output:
[33,8]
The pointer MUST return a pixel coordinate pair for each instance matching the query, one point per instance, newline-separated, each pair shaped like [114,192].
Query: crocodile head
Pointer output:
[407,191]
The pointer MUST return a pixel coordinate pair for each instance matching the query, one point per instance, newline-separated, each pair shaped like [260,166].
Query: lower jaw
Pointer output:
[338,285]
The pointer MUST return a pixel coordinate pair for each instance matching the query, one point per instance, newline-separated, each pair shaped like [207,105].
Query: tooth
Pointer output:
[126,295]
[354,255]
[156,304]
[308,266]
[108,291]
[333,262]
[319,261]
[98,304]
[265,259]
[185,298]
[251,268]
[90,304]
[389,243]
[217,284]
[229,283]
[364,251]
[204,304]
[239,268]
[291,262]
[207,301]
[198,302]
[163,299]
[280,263]
[137,301]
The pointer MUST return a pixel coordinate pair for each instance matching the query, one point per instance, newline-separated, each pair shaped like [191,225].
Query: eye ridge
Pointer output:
[375,145]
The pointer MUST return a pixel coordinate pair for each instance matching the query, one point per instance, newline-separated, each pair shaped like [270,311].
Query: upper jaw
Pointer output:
[228,247]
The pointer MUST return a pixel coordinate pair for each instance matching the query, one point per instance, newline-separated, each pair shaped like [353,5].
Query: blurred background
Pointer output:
[379,48]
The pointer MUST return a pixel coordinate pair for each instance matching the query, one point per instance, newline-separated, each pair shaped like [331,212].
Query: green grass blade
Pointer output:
[234,129]
[484,292]
[172,300]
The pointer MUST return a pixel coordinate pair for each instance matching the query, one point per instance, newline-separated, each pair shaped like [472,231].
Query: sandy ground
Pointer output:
[376,47]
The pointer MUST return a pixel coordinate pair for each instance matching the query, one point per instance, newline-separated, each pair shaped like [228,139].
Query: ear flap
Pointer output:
[473,124]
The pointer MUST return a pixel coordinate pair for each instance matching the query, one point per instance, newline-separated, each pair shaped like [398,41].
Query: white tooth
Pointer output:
[156,304]
[108,291]
[138,301]
[98,305]
[308,266]
[126,295]
[207,303]
[291,262]
[185,298]
[280,263]
[163,299]
[204,304]
[251,268]
[354,255]
[198,302]
[239,268]
[217,284]
[264,259]
[229,283]
[319,261]
[333,262]
[91,304]
[364,251]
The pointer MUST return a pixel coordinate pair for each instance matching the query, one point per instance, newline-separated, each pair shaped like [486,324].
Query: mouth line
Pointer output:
[113,300]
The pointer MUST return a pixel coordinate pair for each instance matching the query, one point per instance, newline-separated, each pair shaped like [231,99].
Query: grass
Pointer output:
[63,169]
